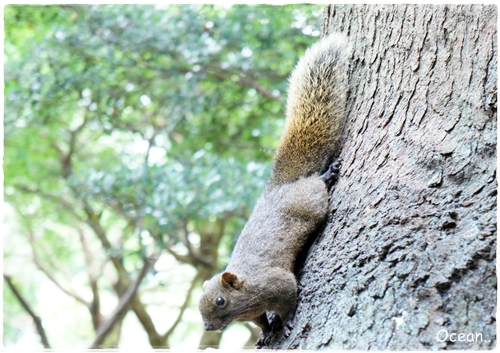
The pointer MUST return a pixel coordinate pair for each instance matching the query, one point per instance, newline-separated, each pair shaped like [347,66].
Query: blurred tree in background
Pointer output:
[137,139]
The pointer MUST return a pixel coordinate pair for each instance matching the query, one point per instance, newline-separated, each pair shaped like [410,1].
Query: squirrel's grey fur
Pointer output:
[259,277]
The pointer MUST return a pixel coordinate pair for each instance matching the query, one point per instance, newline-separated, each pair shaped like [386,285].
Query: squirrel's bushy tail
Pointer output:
[315,111]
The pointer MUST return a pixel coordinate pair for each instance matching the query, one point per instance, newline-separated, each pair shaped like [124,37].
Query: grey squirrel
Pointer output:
[259,277]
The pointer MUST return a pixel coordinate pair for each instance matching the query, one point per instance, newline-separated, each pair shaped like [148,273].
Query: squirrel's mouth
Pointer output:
[210,327]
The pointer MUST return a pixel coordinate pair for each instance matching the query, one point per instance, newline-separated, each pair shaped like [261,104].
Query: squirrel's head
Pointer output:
[223,301]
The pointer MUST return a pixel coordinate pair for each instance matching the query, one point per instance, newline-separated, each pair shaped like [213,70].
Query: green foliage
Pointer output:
[152,117]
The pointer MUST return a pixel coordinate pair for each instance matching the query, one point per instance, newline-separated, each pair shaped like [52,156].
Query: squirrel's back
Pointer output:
[315,111]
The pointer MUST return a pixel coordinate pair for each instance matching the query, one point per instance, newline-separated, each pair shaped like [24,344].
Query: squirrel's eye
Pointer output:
[220,301]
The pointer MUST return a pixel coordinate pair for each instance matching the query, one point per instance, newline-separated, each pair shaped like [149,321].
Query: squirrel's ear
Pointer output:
[228,279]
[205,284]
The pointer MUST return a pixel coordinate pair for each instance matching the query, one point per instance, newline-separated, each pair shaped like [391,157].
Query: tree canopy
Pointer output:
[133,135]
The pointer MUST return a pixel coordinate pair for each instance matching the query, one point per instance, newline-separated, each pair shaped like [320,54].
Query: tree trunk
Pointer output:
[407,259]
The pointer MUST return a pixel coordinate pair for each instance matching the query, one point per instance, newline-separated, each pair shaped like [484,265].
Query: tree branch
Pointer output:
[117,207]
[193,258]
[25,305]
[93,272]
[65,158]
[244,81]
[185,238]
[95,306]
[181,258]
[121,308]
[182,308]
[65,203]
[41,266]
[93,221]
[147,323]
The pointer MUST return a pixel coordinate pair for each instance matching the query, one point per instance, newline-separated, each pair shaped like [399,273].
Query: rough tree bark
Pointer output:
[410,246]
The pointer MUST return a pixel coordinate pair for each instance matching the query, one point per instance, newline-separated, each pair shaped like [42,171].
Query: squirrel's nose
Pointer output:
[208,326]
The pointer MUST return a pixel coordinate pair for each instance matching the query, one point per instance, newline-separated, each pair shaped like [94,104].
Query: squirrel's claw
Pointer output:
[287,328]
[262,341]
[332,173]
[275,325]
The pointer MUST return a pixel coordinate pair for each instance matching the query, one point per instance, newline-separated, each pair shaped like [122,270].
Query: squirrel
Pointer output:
[260,275]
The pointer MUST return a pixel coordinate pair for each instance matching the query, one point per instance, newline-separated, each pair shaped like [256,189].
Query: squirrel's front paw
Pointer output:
[332,173]
[287,328]
[262,341]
